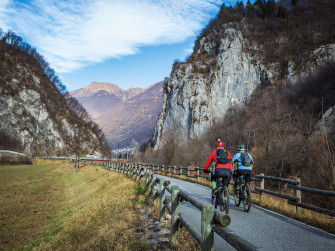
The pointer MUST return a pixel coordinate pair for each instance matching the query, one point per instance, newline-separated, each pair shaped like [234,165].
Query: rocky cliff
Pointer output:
[34,111]
[233,56]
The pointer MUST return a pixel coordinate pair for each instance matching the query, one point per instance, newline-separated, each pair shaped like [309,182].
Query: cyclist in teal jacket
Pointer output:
[244,165]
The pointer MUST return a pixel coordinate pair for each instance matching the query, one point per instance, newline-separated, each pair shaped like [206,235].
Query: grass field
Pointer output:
[48,207]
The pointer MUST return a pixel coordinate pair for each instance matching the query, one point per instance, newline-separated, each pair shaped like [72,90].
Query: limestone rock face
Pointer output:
[44,128]
[223,71]
[326,126]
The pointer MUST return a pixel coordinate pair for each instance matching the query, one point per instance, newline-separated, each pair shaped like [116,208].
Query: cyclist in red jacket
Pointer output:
[223,165]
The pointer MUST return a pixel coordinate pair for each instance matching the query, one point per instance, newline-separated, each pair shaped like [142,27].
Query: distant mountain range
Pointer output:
[126,117]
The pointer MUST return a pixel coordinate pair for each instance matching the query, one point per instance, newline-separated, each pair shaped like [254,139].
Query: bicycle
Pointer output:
[245,190]
[222,197]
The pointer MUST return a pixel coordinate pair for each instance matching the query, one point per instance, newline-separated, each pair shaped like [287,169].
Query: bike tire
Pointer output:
[247,198]
[236,197]
[219,200]
[214,201]
[226,195]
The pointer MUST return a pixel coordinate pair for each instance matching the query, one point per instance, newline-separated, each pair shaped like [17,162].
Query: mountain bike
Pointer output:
[222,197]
[245,188]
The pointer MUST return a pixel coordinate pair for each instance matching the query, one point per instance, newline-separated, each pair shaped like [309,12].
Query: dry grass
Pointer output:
[281,206]
[48,207]
[185,240]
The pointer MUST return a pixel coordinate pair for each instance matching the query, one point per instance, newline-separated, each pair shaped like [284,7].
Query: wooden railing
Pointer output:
[295,200]
[212,220]
[260,179]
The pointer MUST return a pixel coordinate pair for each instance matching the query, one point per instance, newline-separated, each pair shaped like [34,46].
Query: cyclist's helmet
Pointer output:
[241,147]
[219,143]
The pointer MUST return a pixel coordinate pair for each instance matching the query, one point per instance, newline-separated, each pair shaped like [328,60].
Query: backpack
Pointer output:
[222,156]
[246,159]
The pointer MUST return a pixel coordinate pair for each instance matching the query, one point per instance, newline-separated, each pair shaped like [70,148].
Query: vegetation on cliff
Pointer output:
[280,124]
[286,30]
[21,63]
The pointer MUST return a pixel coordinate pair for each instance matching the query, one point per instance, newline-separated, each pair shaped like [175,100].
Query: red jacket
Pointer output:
[217,165]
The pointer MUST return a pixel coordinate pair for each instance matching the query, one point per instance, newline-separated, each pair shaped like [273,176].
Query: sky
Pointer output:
[130,43]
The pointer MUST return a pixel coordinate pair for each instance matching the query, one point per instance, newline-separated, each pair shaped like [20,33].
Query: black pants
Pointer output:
[240,172]
[222,172]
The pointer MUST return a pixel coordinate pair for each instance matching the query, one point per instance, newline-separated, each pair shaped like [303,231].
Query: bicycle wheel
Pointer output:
[214,201]
[236,196]
[219,200]
[224,200]
[247,198]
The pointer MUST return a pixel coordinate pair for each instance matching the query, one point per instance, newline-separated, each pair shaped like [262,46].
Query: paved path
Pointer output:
[265,229]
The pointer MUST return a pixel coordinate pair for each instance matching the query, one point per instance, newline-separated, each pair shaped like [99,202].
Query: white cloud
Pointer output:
[72,34]
[4,5]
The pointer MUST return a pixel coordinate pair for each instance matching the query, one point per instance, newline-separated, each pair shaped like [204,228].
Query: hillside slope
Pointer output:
[32,107]
[126,117]
[99,97]
[240,50]
[135,119]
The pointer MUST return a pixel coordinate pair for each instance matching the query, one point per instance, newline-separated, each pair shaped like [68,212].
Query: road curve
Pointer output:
[263,228]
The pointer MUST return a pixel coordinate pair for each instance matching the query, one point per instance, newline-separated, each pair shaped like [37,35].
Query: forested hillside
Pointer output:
[262,75]
[36,108]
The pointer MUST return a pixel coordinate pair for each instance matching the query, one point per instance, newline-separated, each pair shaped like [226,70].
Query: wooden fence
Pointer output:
[260,179]
[212,220]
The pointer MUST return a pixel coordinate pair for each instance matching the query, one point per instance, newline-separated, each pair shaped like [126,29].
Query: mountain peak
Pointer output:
[98,86]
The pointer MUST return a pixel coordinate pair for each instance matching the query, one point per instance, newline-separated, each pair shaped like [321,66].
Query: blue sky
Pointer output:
[130,43]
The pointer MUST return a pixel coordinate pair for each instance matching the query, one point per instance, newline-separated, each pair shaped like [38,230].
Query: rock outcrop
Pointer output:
[34,111]
[227,65]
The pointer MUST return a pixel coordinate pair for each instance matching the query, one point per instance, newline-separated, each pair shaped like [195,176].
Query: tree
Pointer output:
[282,12]
[80,120]
[170,146]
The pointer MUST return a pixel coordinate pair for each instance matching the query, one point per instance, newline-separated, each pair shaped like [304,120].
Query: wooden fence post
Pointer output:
[137,173]
[151,181]
[262,187]
[298,195]
[188,171]
[207,222]
[174,216]
[198,173]
[154,190]
[180,171]
[146,176]
[161,200]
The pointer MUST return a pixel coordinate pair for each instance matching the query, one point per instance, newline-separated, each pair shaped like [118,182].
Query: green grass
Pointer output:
[47,207]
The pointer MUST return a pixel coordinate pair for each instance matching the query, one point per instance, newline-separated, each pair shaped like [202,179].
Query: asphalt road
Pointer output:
[263,228]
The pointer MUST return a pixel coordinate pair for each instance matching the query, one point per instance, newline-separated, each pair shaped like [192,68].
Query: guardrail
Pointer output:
[212,220]
[194,172]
